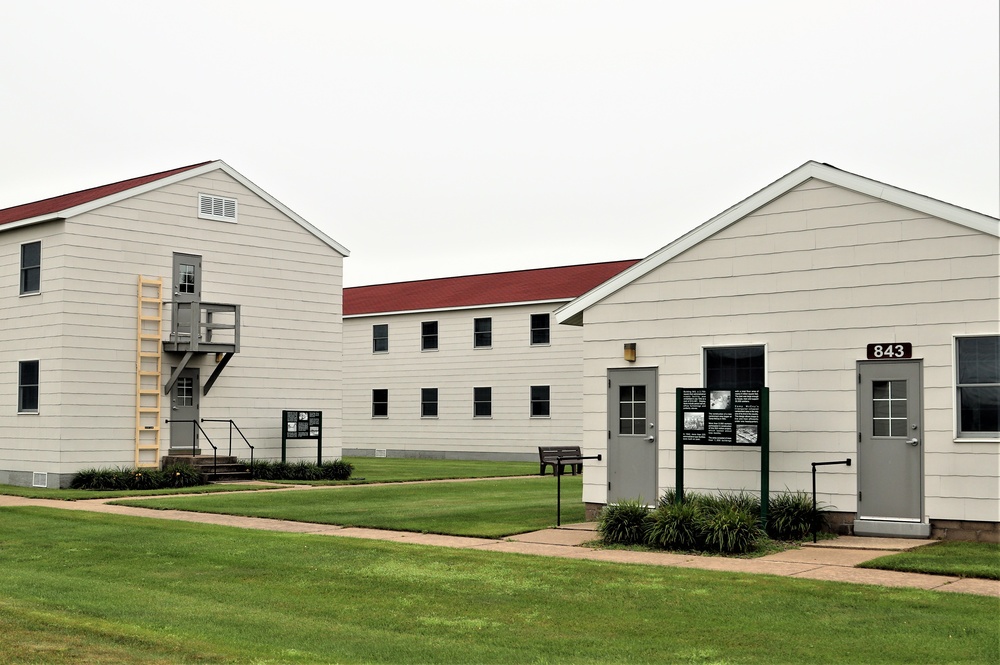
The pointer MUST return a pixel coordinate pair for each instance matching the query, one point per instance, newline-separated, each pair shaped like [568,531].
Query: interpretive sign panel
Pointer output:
[302,425]
[720,417]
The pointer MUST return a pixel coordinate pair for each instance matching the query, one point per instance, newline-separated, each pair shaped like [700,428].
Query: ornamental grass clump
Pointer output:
[674,526]
[624,523]
[730,529]
[790,516]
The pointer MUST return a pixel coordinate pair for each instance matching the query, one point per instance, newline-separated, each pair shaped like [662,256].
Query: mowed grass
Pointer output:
[91,588]
[947,557]
[83,495]
[479,508]
[396,469]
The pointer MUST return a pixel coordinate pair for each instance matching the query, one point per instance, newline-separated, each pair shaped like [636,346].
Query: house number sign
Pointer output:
[890,351]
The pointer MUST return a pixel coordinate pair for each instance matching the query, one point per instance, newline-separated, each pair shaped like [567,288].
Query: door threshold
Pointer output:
[889,529]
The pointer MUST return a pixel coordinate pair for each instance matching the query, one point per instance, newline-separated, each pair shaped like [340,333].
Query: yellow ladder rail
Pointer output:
[148,371]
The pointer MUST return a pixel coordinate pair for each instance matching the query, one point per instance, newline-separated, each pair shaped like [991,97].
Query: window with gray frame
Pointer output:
[978,384]
[734,367]
[539,328]
[482,402]
[429,336]
[428,402]
[540,402]
[27,386]
[380,403]
[380,338]
[31,267]
[483,333]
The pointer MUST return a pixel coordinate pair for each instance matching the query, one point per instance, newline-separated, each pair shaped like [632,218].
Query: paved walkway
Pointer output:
[831,560]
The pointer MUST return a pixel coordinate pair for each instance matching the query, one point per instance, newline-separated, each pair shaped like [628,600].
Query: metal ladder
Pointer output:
[148,371]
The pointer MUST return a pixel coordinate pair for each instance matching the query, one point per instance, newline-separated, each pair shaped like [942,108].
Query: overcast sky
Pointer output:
[448,138]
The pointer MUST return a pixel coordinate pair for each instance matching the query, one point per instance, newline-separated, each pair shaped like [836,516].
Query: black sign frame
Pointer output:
[300,424]
[704,419]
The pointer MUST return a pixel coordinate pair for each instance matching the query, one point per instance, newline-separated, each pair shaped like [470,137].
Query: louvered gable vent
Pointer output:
[216,207]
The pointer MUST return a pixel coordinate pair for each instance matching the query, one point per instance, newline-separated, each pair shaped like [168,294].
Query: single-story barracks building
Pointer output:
[871,315]
[178,296]
[469,367]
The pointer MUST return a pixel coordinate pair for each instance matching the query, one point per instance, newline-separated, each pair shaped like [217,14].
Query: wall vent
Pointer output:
[39,479]
[217,208]
[380,452]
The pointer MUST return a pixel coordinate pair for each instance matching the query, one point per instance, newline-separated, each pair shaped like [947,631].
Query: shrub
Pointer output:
[183,475]
[272,470]
[336,470]
[130,478]
[145,479]
[624,523]
[790,516]
[674,526]
[729,530]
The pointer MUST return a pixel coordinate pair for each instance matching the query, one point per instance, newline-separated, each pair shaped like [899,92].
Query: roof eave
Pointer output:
[572,313]
[175,178]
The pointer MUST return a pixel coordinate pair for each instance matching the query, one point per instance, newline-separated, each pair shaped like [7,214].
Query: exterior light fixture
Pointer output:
[630,352]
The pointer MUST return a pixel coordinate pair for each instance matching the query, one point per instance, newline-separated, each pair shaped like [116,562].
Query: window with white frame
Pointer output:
[429,336]
[27,386]
[380,403]
[482,402]
[31,267]
[734,367]
[540,329]
[483,333]
[540,402]
[977,366]
[428,402]
[380,338]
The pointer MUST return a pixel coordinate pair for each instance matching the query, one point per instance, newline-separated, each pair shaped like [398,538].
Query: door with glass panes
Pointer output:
[890,441]
[632,435]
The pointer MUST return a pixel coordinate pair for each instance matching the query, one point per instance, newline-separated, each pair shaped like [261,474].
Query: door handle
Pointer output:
[913,442]
[650,438]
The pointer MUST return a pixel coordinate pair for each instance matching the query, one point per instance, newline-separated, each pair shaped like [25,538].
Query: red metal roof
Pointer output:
[563,283]
[58,203]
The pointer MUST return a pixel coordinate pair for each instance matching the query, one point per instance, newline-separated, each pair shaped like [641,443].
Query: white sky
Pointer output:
[447,138]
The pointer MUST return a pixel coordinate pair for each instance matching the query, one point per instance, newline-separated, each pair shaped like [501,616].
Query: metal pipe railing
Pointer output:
[196,427]
[814,465]
[232,424]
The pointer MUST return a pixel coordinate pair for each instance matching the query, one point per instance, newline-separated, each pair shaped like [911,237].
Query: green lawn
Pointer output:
[945,558]
[78,495]
[397,469]
[92,588]
[482,508]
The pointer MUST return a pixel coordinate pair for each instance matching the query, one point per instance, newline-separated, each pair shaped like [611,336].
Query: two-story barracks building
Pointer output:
[180,295]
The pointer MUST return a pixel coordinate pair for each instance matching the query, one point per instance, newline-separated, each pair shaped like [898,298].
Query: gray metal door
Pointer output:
[632,435]
[184,408]
[890,445]
[187,289]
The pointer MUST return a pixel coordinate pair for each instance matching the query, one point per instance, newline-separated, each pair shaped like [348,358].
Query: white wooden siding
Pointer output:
[816,275]
[509,367]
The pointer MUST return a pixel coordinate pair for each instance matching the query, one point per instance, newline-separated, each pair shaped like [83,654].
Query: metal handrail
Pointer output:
[559,467]
[846,462]
[232,424]
[194,442]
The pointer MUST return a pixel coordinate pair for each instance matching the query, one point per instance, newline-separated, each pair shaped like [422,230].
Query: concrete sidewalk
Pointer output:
[830,560]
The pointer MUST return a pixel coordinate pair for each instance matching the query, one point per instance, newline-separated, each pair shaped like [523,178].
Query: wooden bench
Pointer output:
[547,456]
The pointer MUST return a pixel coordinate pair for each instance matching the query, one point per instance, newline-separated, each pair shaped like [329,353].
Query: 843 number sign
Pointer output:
[890,351]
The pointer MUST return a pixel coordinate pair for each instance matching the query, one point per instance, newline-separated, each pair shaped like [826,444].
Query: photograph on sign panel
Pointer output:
[720,399]
[746,434]
[694,420]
